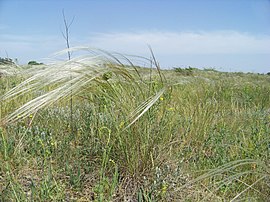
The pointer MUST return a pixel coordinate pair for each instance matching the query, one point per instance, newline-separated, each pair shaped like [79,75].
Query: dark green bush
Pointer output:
[184,71]
[32,62]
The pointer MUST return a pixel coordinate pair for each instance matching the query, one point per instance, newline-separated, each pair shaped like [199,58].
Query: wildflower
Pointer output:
[164,188]
[161,98]
[171,109]
[121,125]
[111,160]
[253,166]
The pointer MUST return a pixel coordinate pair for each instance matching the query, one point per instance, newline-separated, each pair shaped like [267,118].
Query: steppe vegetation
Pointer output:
[133,134]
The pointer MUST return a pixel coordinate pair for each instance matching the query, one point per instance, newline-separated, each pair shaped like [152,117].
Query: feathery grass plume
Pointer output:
[232,174]
[144,107]
[6,72]
[54,80]
[9,69]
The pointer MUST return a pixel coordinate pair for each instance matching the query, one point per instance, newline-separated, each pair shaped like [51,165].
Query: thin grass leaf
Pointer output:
[224,168]
[248,187]
[145,107]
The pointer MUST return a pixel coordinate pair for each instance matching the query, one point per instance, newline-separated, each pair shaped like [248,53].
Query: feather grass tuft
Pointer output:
[60,79]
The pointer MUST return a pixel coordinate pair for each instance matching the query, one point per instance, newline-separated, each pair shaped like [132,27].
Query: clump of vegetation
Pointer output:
[138,134]
[185,71]
[32,62]
[210,69]
[6,61]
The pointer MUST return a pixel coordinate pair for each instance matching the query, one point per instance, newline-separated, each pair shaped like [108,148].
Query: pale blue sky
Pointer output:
[230,35]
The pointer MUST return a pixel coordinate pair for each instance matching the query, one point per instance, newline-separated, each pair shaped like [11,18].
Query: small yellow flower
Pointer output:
[253,166]
[111,160]
[164,188]
[161,98]
[31,116]
[171,109]
[121,125]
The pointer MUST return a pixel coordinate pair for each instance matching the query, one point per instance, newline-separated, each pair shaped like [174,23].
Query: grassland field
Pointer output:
[134,134]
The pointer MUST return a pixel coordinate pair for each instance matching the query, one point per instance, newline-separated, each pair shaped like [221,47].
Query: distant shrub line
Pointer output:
[32,62]
[6,61]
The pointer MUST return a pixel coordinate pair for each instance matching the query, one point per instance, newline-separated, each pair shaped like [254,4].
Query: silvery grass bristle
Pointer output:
[144,107]
[70,77]
[9,70]
[234,175]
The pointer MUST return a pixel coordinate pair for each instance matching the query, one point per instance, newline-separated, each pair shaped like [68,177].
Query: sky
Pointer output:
[228,35]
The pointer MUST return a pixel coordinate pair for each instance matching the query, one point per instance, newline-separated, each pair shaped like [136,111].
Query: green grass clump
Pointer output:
[185,71]
[136,134]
